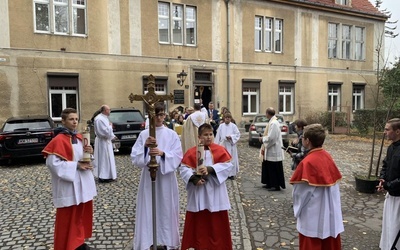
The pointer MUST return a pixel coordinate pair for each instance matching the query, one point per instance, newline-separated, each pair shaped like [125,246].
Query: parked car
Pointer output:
[25,136]
[258,125]
[127,124]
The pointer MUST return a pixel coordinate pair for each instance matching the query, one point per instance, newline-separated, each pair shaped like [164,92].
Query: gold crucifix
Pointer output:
[151,98]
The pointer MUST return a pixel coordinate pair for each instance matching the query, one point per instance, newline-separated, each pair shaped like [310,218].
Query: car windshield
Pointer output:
[25,125]
[261,119]
[125,116]
[265,119]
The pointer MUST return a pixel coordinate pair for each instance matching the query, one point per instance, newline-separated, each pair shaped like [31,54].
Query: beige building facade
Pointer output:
[296,56]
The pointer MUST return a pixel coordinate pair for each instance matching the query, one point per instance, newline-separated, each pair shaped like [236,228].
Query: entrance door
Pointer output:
[203,92]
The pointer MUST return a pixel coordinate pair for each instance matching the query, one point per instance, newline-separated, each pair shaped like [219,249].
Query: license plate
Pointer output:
[26,141]
[128,137]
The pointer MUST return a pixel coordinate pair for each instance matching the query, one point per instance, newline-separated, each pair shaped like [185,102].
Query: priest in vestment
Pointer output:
[227,136]
[104,161]
[189,135]
[316,195]
[207,221]
[73,185]
[168,155]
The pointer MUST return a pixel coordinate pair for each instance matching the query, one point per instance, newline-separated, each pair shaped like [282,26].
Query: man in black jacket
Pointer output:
[390,181]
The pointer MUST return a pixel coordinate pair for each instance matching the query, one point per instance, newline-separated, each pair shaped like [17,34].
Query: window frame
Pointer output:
[334,95]
[271,28]
[251,89]
[287,85]
[353,42]
[71,6]
[185,20]
[358,97]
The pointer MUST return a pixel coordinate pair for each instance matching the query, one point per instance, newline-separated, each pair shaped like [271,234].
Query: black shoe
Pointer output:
[84,246]
[274,189]
[231,177]
[266,186]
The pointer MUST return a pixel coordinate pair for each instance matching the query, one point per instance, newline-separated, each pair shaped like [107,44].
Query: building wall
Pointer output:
[122,46]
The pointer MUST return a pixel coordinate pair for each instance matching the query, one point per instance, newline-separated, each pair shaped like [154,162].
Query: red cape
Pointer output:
[318,169]
[61,145]
[219,155]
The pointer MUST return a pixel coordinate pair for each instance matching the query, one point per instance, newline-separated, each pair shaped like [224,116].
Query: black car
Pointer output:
[127,124]
[25,136]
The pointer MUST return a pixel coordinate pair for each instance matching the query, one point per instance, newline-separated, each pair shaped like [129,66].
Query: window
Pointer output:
[358,97]
[64,17]
[63,93]
[359,49]
[286,98]
[350,44]
[346,41]
[343,2]
[176,22]
[334,97]
[268,34]
[332,40]
[251,96]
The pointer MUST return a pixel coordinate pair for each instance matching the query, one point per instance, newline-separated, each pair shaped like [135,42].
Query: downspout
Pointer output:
[228,53]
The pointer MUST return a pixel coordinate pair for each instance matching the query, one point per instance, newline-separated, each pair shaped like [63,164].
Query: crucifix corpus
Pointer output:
[151,98]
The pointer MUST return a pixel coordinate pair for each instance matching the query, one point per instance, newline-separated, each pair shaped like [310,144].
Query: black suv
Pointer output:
[25,136]
[127,124]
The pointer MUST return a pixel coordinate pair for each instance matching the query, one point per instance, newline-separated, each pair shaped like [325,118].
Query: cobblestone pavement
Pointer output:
[259,219]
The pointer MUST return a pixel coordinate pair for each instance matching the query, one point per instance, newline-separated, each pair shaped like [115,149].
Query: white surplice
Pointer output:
[104,161]
[213,195]
[70,186]
[390,222]
[318,210]
[166,189]
[231,130]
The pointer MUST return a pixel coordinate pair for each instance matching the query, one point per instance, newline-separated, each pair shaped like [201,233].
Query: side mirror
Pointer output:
[89,122]
[251,121]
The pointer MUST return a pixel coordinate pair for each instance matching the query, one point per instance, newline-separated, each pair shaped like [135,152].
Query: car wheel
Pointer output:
[251,143]
[285,144]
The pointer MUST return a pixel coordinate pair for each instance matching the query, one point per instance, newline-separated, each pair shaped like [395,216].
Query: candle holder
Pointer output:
[87,157]
[116,145]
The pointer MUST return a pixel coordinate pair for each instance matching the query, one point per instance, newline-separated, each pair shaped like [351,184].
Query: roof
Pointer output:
[28,117]
[357,7]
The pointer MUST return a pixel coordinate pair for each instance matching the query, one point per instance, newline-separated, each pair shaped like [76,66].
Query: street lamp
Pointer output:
[181,77]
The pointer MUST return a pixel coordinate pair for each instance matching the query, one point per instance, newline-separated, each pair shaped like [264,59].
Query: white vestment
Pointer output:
[166,189]
[273,142]
[70,186]
[318,210]
[104,162]
[213,195]
[231,130]
[390,222]
[190,130]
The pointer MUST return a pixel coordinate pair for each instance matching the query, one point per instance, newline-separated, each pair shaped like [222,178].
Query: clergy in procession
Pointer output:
[207,221]
[316,195]
[227,136]
[104,162]
[73,185]
[168,154]
[190,128]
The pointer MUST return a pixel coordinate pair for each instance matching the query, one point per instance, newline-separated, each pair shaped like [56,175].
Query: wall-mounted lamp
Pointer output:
[182,77]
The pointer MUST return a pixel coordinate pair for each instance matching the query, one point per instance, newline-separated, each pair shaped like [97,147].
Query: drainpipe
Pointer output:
[228,53]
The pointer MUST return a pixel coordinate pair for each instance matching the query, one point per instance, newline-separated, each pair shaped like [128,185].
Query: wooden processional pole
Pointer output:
[151,98]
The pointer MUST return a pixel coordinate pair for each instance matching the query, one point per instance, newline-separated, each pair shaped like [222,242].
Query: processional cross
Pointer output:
[151,98]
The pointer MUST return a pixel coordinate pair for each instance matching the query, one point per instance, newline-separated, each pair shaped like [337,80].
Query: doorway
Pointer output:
[203,92]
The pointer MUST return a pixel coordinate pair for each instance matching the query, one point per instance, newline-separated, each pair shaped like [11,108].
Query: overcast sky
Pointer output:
[392,46]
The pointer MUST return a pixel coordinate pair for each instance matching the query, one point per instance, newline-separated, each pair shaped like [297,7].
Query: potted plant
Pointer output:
[389,85]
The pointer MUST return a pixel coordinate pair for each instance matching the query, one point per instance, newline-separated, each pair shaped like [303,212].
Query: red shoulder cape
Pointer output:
[318,169]
[61,145]
[219,155]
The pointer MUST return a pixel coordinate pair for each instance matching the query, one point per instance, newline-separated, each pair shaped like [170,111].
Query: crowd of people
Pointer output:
[206,156]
